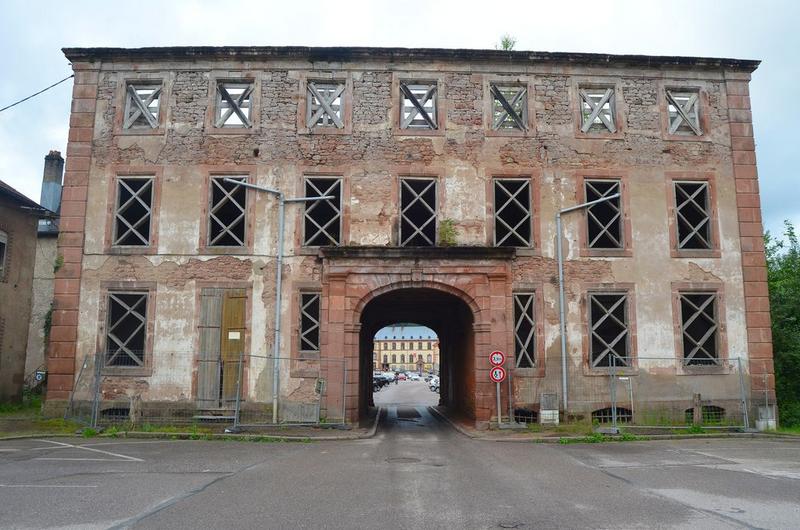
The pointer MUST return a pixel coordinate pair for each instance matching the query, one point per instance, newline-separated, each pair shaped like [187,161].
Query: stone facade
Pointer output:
[365,282]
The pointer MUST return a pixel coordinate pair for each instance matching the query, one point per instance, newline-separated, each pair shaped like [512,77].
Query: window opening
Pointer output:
[699,328]
[711,414]
[309,322]
[604,218]
[226,215]
[322,218]
[509,107]
[512,214]
[133,213]
[3,253]
[418,109]
[417,212]
[693,215]
[142,106]
[684,113]
[524,330]
[324,105]
[127,329]
[234,103]
[608,313]
[606,415]
[598,110]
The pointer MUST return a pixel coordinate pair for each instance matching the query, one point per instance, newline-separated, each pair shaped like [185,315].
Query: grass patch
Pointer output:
[696,429]
[596,438]
[795,429]
[89,432]
[31,404]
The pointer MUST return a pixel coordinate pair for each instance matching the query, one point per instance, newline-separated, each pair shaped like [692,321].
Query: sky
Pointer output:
[32,34]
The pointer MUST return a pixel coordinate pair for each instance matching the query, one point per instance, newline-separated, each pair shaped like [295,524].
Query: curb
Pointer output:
[41,435]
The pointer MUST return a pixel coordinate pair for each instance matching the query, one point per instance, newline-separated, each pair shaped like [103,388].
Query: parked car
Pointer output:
[379,381]
[414,376]
[434,384]
[401,377]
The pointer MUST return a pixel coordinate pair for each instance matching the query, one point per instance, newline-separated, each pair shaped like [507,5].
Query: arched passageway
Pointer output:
[446,314]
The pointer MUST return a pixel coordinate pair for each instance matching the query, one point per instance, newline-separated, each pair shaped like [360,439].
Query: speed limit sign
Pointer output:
[497,374]
[497,358]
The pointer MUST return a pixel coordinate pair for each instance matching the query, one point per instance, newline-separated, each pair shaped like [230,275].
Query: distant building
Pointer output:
[406,349]
[19,217]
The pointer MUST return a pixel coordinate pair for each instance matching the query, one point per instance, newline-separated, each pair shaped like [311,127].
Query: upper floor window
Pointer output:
[227,212]
[133,211]
[417,212]
[693,215]
[322,220]
[604,219]
[598,110]
[324,105]
[3,253]
[512,213]
[699,328]
[233,104]
[684,112]
[142,105]
[608,327]
[418,105]
[509,107]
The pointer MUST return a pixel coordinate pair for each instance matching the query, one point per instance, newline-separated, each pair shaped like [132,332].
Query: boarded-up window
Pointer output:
[604,219]
[227,212]
[142,105]
[512,213]
[417,212]
[309,322]
[324,105]
[509,107]
[608,326]
[598,110]
[234,104]
[3,253]
[684,112]
[699,328]
[126,328]
[322,220]
[133,211]
[524,330]
[418,105]
[693,215]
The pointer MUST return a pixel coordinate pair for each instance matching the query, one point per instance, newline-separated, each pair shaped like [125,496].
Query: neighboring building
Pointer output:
[446,169]
[406,348]
[46,263]
[19,217]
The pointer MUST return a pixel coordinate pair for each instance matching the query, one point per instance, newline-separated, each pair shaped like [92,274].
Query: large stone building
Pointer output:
[406,348]
[445,171]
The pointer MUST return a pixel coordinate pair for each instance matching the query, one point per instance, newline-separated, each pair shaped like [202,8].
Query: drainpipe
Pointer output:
[276,372]
[561,301]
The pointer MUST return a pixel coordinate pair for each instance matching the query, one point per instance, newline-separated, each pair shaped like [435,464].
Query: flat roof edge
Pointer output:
[342,54]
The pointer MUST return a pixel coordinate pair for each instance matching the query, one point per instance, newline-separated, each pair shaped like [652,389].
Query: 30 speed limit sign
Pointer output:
[497,358]
[497,374]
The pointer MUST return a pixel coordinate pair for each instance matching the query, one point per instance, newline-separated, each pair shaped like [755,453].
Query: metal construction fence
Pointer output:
[650,392]
[180,388]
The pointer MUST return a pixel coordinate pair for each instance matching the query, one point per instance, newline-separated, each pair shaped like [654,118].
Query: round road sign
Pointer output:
[497,358]
[497,374]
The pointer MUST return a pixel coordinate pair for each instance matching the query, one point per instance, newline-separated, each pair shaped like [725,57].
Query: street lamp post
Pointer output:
[561,302]
[282,200]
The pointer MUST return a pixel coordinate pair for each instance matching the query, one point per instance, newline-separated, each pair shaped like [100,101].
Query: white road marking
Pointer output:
[43,486]
[8,450]
[62,444]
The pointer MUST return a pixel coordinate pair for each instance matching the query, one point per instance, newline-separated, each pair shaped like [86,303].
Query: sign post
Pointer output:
[497,374]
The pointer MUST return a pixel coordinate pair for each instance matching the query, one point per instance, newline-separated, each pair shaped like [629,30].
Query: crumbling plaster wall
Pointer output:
[371,159]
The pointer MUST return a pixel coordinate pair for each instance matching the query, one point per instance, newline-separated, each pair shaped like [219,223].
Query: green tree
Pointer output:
[783,275]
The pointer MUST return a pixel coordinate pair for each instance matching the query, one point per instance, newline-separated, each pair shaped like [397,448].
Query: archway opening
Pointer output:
[449,317]
[406,366]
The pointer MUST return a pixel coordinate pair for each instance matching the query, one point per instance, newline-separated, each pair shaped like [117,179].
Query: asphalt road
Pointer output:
[416,473]
[406,393]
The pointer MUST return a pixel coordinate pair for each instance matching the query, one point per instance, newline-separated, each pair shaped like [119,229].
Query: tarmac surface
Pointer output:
[417,472]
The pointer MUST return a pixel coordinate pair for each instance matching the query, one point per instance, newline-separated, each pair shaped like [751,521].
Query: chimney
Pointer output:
[51,190]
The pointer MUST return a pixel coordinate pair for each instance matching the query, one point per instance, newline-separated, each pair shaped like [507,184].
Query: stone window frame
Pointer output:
[627,288]
[299,179]
[703,109]
[5,240]
[625,201]
[255,103]
[247,171]
[305,363]
[156,172]
[718,288]
[439,193]
[537,290]
[535,177]
[164,111]
[488,105]
[397,102]
[620,109]
[346,102]
[692,176]
[148,288]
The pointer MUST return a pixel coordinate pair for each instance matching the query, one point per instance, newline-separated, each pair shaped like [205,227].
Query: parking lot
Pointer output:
[417,472]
